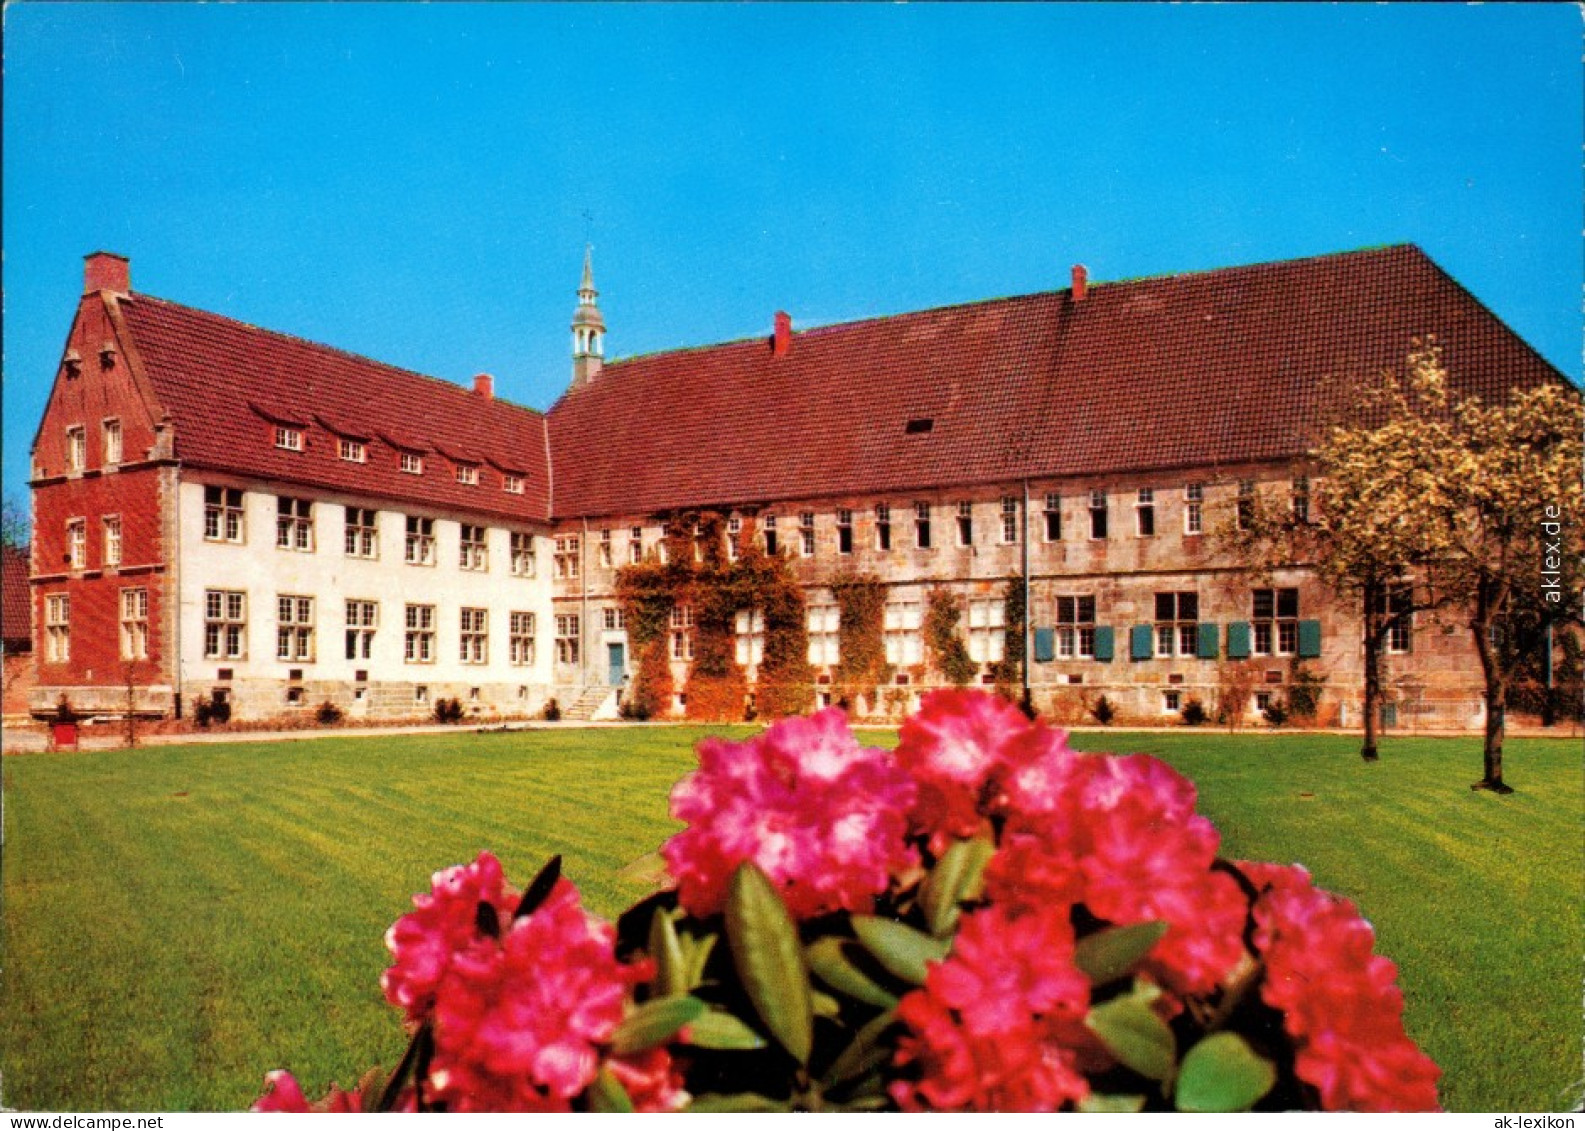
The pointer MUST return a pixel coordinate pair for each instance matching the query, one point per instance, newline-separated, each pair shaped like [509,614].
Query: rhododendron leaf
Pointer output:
[898,947]
[740,1101]
[698,951]
[654,1023]
[828,959]
[1107,955]
[648,870]
[540,888]
[864,1053]
[957,876]
[769,961]
[715,1029]
[1135,1035]
[824,1005]
[606,1094]
[1222,1073]
[1095,1104]
[665,948]
[486,920]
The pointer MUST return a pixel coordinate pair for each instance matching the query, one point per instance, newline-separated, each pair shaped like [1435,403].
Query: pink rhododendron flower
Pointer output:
[283,1093]
[653,1080]
[823,817]
[1339,1000]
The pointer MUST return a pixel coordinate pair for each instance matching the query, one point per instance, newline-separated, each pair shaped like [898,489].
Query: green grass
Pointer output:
[178,920]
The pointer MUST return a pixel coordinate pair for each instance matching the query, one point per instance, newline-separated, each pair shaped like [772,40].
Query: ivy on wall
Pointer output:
[1009,670]
[948,653]
[861,641]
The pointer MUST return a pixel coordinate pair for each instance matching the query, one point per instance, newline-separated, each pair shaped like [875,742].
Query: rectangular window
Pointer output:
[614,619]
[922,525]
[474,548]
[1246,503]
[635,545]
[1300,500]
[605,549]
[567,626]
[1097,515]
[749,626]
[883,527]
[1194,508]
[1177,624]
[58,628]
[412,464]
[77,543]
[512,484]
[134,624]
[222,514]
[734,531]
[225,624]
[363,617]
[965,524]
[566,557]
[291,439]
[844,531]
[419,643]
[1171,702]
[900,623]
[475,636]
[294,524]
[76,448]
[770,535]
[806,532]
[467,475]
[112,540]
[1076,628]
[112,442]
[824,640]
[420,545]
[362,537]
[1009,519]
[1145,513]
[1053,518]
[522,639]
[353,451]
[1398,603]
[682,632]
[524,559]
[294,629]
[1274,622]
[987,630]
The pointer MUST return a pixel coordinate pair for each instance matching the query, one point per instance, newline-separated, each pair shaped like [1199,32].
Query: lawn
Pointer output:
[178,920]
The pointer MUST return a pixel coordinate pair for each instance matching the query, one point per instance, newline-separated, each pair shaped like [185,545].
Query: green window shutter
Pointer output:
[1141,646]
[1206,647]
[1238,640]
[1103,642]
[1309,639]
[1045,645]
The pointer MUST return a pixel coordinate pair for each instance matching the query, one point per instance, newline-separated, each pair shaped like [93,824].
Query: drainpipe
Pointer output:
[1028,612]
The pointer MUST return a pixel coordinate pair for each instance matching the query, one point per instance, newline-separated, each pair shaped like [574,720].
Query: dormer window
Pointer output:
[512,484]
[467,476]
[289,439]
[353,451]
[412,464]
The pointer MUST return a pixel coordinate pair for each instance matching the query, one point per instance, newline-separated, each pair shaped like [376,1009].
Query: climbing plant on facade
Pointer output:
[862,666]
[948,654]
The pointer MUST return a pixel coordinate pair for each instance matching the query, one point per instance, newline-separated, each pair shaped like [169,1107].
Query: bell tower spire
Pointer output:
[588,328]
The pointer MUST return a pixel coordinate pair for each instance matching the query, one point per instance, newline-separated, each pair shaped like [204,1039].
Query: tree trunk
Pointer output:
[1496,692]
[1373,632]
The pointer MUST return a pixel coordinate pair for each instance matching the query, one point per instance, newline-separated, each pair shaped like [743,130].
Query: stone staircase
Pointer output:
[589,701]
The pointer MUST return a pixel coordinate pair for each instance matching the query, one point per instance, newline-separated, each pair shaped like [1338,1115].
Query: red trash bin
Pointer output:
[63,736]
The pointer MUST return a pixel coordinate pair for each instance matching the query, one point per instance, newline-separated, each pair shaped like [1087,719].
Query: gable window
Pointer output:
[770,535]
[1300,500]
[467,475]
[77,543]
[682,632]
[566,557]
[1009,519]
[134,624]
[412,464]
[922,525]
[1145,513]
[1177,623]
[420,546]
[567,626]
[1274,622]
[1194,508]
[112,540]
[475,636]
[987,630]
[883,527]
[844,531]
[419,643]
[824,639]
[734,531]
[512,484]
[112,441]
[290,439]
[1053,516]
[900,623]
[1246,503]
[615,620]
[353,451]
[294,524]
[76,448]
[474,548]
[524,559]
[1097,514]
[749,625]
[806,532]
[635,545]
[225,624]
[294,630]
[363,617]
[605,549]
[223,514]
[57,628]
[362,533]
[965,524]
[1076,627]
[521,639]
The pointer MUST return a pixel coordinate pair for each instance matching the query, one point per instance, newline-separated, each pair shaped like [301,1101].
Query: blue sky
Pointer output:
[416,182]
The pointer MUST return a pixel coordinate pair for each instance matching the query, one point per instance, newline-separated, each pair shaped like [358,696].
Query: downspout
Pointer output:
[1028,618]
[585,629]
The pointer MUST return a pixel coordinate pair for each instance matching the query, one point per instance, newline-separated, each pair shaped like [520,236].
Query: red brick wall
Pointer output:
[18,680]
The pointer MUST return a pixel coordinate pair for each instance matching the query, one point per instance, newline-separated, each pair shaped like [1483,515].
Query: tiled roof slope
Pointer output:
[1222,367]
[223,382]
[16,617]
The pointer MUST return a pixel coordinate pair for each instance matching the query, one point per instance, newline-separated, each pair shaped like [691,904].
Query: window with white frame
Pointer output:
[353,451]
[134,624]
[567,638]
[635,545]
[1171,702]
[474,548]
[420,545]
[682,632]
[1397,603]
[604,549]
[1009,519]
[749,627]
[225,624]
[521,639]
[1145,513]
[57,628]
[362,533]
[512,484]
[768,528]
[524,559]
[363,618]
[412,463]
[1053,517]
[223,514]
[112,441]
[614,619]
[467,475]
[1097,514]
[294,524]
[844,531]
[823,623]
[76,448]
[290,439]
[1076,627]
[1274,622]
[77,543]
[566,556]
[294,628]
[1177,624]
[1246,503]
[112,524]
[883,527]
[1194,508]
[474,638]
[922,526]
[734,531]
[900,624]
[419,642]
[965,524]
[806,533]
[987,630]
[1299,500]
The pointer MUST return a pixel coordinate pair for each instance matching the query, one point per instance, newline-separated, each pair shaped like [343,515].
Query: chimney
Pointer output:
[781,341]
[1081,277]
[106,271]
[484,386]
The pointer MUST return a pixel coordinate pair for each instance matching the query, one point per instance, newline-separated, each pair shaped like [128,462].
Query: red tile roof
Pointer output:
[16,606]
[226,384]
[1222,367]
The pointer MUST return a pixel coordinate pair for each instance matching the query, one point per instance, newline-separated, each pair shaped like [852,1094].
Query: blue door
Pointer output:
[618,663]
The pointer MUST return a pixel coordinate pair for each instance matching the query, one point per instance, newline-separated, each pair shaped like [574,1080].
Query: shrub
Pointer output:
[327,714]
[1304,693]
[552,711]
[1194,713]
[1276,713]
[1102,711]
[448,711]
